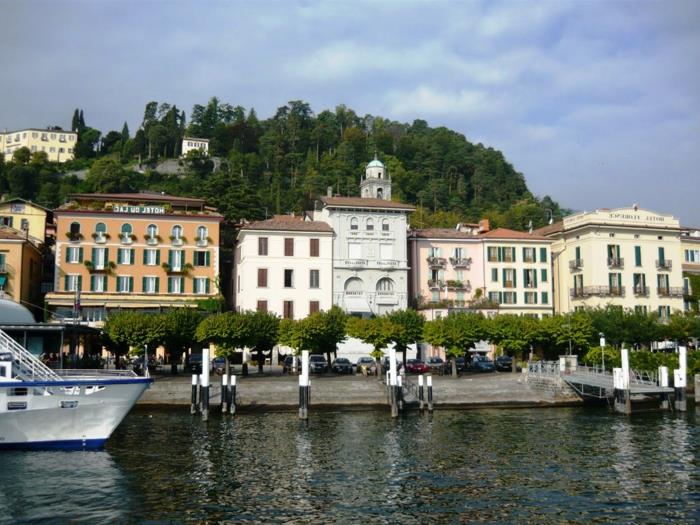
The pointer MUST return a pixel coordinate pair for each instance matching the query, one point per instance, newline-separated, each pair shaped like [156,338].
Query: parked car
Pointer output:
[367,366]
[436,365]
[288,364]
[482,364]
[317,364]
[461,364]
[504,363]
[385,364]
[218,365]
[194,363]
[341,365]
[416,366]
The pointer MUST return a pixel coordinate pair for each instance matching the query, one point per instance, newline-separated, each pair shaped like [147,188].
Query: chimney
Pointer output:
[484,226]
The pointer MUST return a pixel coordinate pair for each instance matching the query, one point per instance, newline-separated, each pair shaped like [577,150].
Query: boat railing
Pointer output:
[25,365]
[101,373]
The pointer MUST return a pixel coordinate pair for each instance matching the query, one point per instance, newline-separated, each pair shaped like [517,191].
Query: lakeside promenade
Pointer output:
[281,392]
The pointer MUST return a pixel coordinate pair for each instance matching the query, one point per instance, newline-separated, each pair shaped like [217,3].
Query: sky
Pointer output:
[597,103]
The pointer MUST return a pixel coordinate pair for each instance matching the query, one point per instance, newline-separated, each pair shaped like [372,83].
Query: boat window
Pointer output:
[93,389]
[17,405]
[69,404]
[19,391]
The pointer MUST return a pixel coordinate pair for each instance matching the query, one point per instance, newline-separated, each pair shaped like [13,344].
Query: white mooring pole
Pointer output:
[663,383]
[204,401]
[304,384]
[680,379]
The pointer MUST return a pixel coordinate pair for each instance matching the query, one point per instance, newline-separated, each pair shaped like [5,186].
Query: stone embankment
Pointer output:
[276,392]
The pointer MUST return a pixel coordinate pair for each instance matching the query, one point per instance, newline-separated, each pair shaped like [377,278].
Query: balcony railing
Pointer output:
[435,283]
[670,291]
[458,285]
[508,284]
[530,284]
[576,264]
[663,264]
[355,262]
[100,238]
[603,291]
[436,262]
[616,262]
[202,242]
[354,293]
[461,262]
[641,291]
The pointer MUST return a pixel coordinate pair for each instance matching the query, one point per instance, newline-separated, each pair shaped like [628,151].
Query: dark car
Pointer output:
[194,363]
[341,365]
[416,366]
[288,365]
[461,363]
[218,365]
[386,363]
[317,364]
[482,364]
[367,366]
[504,363]
[436,365]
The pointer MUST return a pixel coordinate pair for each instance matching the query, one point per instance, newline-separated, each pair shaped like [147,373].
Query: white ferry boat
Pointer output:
[41,408]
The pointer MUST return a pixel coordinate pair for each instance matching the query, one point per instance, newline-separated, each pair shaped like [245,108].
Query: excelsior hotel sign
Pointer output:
[139,209]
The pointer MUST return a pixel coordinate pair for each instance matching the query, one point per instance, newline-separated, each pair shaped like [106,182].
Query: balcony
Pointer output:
[435,284]
[100,267]
[616,262]
[127,238]
[153,240]
[202,242]
[388,263]
[436,262]
[458,285]
[641,291]
[355,263]
[386,297]
[508,284]
[177,241]
[670,291]
[100,237]
[663,264]
[602,291]
[576,264]
[177,268]
[461,262]
[530,284]
[580,293]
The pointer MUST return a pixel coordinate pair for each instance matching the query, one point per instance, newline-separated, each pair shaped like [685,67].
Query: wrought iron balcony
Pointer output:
[670,291]
[576,264]
[435,284]
[461,262]
[458,285]
[603,291]
[641,291]
[616,262]
[436,262]
[663,264]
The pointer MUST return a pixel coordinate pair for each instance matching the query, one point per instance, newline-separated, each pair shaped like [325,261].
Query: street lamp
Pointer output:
[602,348]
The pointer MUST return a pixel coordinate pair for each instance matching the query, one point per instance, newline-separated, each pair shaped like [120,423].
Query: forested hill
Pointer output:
[283,163]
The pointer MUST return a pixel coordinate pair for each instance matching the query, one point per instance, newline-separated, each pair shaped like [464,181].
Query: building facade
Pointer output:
[370,259]
[284,265]
[59,145]
[143,250]
[193,144]
[28,217]
[627,257]
[20,268]
[690,247]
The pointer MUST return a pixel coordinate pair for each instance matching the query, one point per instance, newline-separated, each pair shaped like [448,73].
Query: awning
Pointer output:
[3,278]
[357,305]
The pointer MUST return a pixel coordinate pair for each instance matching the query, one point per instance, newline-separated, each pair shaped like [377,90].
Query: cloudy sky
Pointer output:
[597,103]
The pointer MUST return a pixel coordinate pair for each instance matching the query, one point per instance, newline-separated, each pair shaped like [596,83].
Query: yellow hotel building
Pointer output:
[141,250]
[58,144]
[20,269]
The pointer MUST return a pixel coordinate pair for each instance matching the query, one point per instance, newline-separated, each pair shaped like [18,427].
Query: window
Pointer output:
[288,311]
[176,232]
[261,306]
[692,256]
[385,285]
[386,252]
[262,277]
[530,278]
[543,254]
[637,255]
[509,279]
[262,245]
[74,230]
[545,297]
[435,296]
[288,278]
[151,257]
[506,254]
[6,221]
[126,231]
[458,253]
[74,254]
[201,285]
[664,312]
[152,231]
[100,229]
[150,284]
[200,258]
[125,284]
[662,283]
[314,306]
[313,247]
[530,297]
[509,298]
[176,259]
[289,247]
[543,275]
[434,251]
[353,223]
[494,297]
[125,256]
[370,225]
[98,283]
[202,234]
[354,250]
[73,283]
[176,284]
[99,258]
[640,309]
[529,255]
[314,279]
[385,225]
[615,283]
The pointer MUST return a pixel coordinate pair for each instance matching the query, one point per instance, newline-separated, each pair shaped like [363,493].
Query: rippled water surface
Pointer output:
[573,465]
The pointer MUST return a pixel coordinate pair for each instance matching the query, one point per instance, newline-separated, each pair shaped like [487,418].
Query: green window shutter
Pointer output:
[543,254]
[106,257]
[578,253]
[182,284]
[662,254]
[132,255]
[131,284]
[534,255]
[534,277]
[80,282]
[500,253]
[638,255]
[513,252]
[80,255]
[145,257]
[206,258]
[543,276]
[157,284]
[534,295]
[206,286]
[504,276]
[143,284]
[515,278]
[545,298]
[92,283]
[500,297]
[94,255]
[494,274]
[524,251]
[67,252]
[119,256]
[170,285]
[170,261]
[104,283]
[65,283]
[157,258]
[524,276]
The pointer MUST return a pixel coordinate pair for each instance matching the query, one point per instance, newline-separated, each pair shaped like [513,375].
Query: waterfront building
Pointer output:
[447,267]
[690,247]
[28,217]
[20,268]
[629,257]
[59,145]
[192,144]
[147,251]
[284,265]
[370,260]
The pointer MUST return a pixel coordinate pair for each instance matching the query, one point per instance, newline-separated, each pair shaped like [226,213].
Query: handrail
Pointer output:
[25,365]
[66,372]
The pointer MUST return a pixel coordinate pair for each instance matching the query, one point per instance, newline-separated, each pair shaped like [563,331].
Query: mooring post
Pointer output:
[399,391]
[680,380]
[618,395]
[429,382]
[224,393]
[205,383]
[304,384]
[394,383]
[663,383]
[697,391]
[625,358]
[420,392]
[232,394]
[195,385]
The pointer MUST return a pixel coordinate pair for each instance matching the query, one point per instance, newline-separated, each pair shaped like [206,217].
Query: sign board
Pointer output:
[122,208]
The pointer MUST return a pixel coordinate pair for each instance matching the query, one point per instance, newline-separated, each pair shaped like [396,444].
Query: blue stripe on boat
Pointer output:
[68,444]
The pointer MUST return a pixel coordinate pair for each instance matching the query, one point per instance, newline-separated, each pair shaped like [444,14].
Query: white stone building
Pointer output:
[191,143]
[370,260]
[284,265]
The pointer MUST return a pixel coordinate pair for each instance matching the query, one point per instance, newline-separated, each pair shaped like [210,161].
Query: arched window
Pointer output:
[353,223]
[202,233]
[152,231]
[354,285]
[74,228]
[385,285]
[380,193]
[370,225]
[126,229]
[100,228]
[177,232]
[385,225]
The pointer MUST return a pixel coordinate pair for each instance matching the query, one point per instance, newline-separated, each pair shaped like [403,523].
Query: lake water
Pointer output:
[543,466]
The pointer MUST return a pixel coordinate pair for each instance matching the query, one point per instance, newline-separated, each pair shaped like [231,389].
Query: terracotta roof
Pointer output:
[550,229]
[503,233]
[441,233]
[11,234]
[359,202]
[289,223]
[139,197]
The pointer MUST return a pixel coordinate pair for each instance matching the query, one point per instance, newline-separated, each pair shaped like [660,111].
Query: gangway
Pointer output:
[24,365]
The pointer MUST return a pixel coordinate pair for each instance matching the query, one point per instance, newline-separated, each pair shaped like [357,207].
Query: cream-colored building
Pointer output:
[690,246]
[58,144]
[27,217]
[191,144]
[629,257]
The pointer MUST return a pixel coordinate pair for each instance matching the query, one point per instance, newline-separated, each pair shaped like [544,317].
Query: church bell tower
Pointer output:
[376,184]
